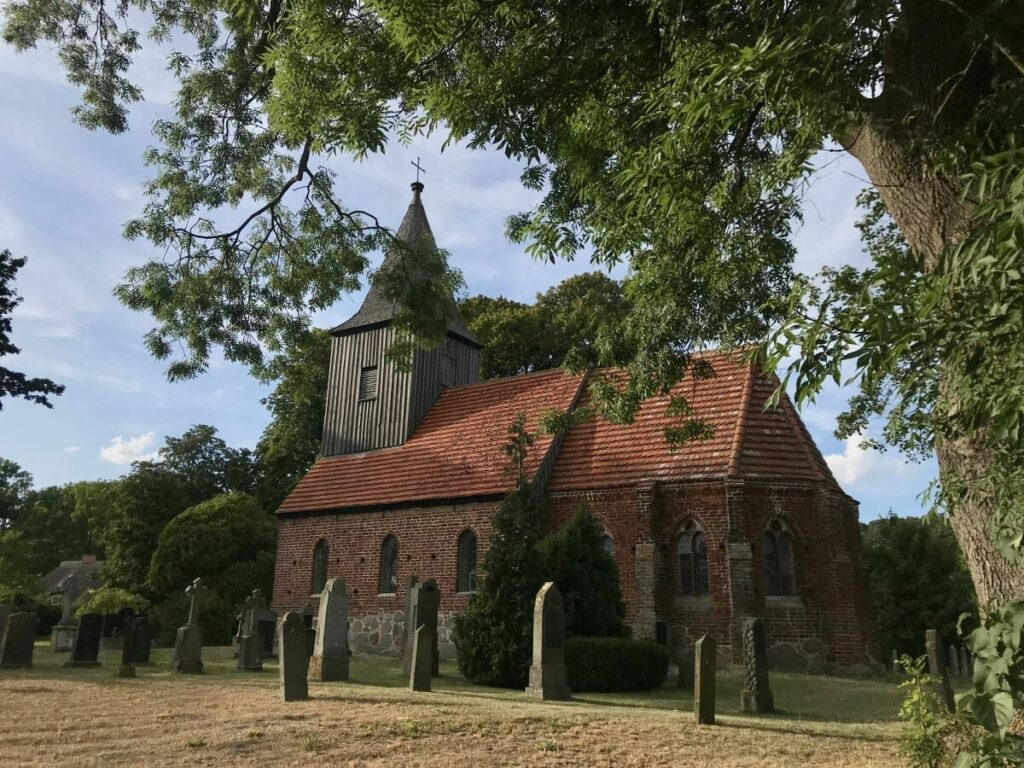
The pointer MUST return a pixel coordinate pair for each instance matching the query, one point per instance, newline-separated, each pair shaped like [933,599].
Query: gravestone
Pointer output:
[548,676]
[291,649]
[62,636]
[895,661]
[425,602]
[127,666]
[266,627]
[188,645]
[937,669]
[85,652]
[954,661]
[965,662]
[250,643]
[422,655]
[705,663]
[410,625]
[330,652]
[756,696]
[142,641]
[307,621]
[18,640]
[685,681]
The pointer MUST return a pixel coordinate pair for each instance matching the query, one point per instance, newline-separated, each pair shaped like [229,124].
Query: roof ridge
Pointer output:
[741,423]
[510,377]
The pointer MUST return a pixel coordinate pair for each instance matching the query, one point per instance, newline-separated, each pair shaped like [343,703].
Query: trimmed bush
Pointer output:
[615,664]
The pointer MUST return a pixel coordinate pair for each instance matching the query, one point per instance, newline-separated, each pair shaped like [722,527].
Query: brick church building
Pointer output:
[749,522]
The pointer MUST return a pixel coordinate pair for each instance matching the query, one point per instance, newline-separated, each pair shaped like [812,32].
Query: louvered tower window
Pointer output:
[368,377]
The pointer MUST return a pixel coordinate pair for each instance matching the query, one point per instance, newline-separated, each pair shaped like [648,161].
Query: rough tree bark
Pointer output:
[928,96]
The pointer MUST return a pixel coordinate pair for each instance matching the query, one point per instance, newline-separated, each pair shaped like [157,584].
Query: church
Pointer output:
[747,523]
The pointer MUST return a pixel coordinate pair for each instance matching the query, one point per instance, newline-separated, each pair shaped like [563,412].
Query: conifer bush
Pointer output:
[615,664]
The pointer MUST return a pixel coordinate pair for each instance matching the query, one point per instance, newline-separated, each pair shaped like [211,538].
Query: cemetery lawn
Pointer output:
[51,715]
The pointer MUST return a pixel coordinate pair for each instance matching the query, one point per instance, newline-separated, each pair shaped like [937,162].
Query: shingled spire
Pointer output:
[376,309]
[371,402]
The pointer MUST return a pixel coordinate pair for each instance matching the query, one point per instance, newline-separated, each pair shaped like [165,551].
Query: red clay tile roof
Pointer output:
[747,440]
[455,452]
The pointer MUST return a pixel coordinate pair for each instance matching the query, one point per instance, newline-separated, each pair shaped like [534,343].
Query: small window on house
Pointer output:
[465,580]
[368,383]
[321,554]
[777,553]
[388,566]
[608,545]
[692,550]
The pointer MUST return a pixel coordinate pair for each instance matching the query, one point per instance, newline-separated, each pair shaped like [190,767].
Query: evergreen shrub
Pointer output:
[615,664]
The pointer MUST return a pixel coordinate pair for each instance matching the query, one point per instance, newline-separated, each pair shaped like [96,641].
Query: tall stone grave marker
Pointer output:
[86,649]
[954,661]
[18,640]
[62,636]
[705,663]
[422,655]
[250,643]
[965,662]
[548,676]
[291,650]
[330,652]
[188,645]
[142,641]
[937,668]
[756,696]
[127,666]
[412,587]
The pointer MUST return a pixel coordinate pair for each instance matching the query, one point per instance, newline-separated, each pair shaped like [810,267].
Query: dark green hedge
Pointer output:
[615,664]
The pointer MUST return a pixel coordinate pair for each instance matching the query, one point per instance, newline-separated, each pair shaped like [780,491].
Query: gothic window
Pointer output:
[777,551]
[389,566]
[692,550]
[368,377]
[608,545]
[465,580]
[320,556]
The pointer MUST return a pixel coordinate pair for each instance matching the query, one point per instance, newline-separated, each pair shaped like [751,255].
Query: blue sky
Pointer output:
[65,194]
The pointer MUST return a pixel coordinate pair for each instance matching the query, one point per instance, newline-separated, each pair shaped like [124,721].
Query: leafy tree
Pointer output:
[291,441]
[677,136]
[15,484]
[207,464]
[14,383]
[918,582]
[494,634]
[587,576]
[228,541]
[565,321]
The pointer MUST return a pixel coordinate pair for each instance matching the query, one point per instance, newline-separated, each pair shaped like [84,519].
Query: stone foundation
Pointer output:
[384,633]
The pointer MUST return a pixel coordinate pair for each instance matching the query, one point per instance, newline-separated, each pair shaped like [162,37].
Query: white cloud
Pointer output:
[72,448]
[856,464]
[126,450]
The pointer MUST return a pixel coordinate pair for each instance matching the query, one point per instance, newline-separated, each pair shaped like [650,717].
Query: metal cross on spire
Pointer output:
[418,168]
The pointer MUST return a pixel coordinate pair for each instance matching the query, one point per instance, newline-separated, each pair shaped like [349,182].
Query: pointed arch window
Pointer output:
[321,555]
[465,579]
[607,544]
[777,553]
[692,551]
[388,565]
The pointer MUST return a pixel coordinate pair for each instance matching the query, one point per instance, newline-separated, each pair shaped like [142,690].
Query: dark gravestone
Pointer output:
[85,652]
[954,661]
[127,666]
[685,681]
[938,670]
[422,656]
[548,676]
[18,640]
[250,644]
[425,602]
[756,696]
[266,627]
[188,645]
[307,621]
[142,641]
[291,649]
[410,630]
[705,663]
[330,652]
[965,662]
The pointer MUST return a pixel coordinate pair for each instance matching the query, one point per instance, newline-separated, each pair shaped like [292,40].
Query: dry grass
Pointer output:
[87,717]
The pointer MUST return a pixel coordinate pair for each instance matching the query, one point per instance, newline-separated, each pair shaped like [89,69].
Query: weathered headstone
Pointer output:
[266,626]
[422,655]
[18,640]
[705,663]
[937,669]
[756,696]
[291,649]
[62,636]
[548,676]
[965,662]
[307,621]
[954,661]
[127,666]
[142,641]
[895,660]
[250,644]
[188,645]
[86,650]
[685,661]
[410,626]
[426,600]
[330,652]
